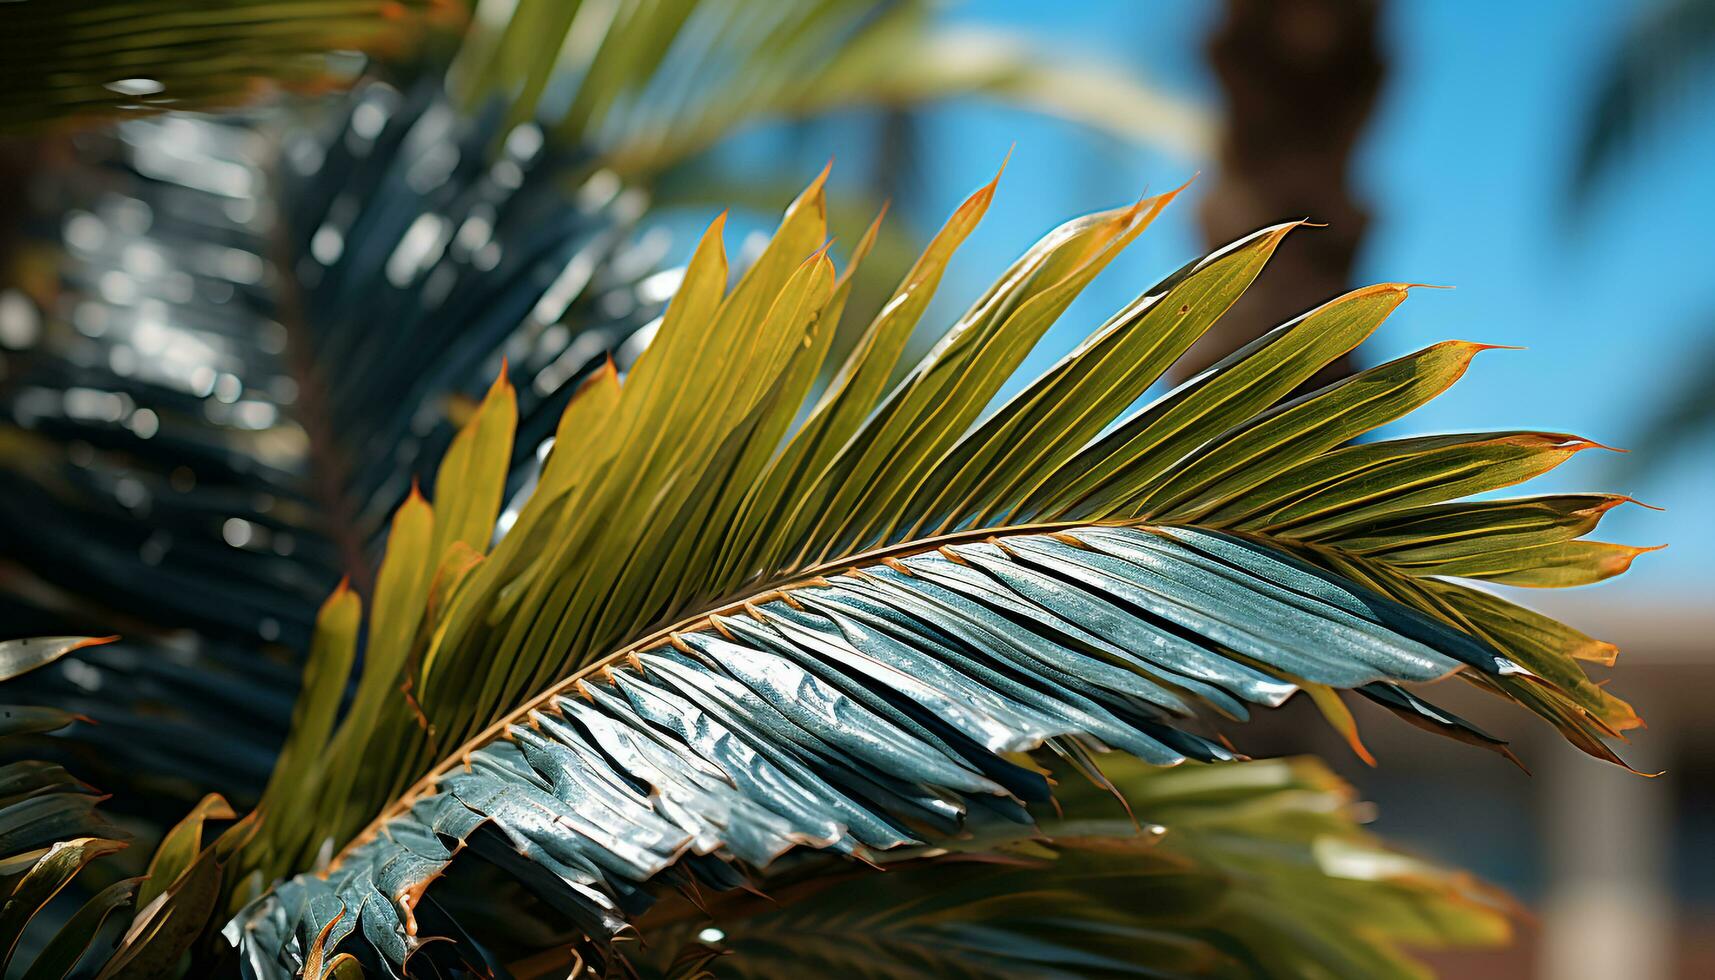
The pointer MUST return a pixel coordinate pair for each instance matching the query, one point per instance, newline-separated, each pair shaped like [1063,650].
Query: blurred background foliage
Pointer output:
[1547,159]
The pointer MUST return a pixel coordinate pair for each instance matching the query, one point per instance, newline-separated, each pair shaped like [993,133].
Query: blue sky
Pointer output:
[1468,167]
[1464,170]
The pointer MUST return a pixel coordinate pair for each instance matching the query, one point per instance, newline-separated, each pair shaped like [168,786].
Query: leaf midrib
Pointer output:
[329,472]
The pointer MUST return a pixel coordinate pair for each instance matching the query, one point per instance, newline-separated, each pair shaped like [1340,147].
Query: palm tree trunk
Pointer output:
[1299,79]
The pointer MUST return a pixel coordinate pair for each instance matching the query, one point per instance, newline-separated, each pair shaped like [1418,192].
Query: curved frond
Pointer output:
[71,62]
[248,335]
[1252,869]
[847,712]
[50,829]
[740,616]
[200,443]
[659,81]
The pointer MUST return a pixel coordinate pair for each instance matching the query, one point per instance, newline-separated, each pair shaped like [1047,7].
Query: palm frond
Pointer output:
[1657,60]
[737,616]
[658,81]
[180,893]
[50,829]
[1246,869]
[204,385]
[259,332]
[73,62]
[646,83]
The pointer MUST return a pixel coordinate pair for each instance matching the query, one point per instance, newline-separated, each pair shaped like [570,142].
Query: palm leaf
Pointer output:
[207,355]
[1252,869]
[739,618]
[664,80]
[257,468]
[72,62]
[50,829]
[1656,62]
[648,82]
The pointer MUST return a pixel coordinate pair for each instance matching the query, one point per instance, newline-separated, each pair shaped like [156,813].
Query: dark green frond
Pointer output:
[247,430]
[71,62]
[50,829]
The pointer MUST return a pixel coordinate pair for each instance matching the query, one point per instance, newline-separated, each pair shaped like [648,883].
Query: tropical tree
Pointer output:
[746,642]
[247,334]
[745,634]
[1299,81]
[737,618]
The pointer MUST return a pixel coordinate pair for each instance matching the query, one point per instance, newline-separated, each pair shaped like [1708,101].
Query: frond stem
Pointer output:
[329,475]
[764,592]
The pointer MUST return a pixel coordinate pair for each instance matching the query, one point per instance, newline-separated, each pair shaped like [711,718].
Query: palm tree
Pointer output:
[292,316]
[743,636]
[758,620]
[715,636]
[1299,81]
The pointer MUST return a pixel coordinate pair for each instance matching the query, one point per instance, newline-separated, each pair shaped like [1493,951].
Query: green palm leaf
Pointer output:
[265,392]
[80,61]
[1247,870]
[647,82]
[736,618]
[50,829]
[665,79]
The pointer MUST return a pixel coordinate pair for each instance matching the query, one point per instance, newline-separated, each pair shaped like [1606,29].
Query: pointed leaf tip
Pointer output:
[1610,501]
[20,656]
[1275,233]
[1166,197]
[502,384]
[815,193]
